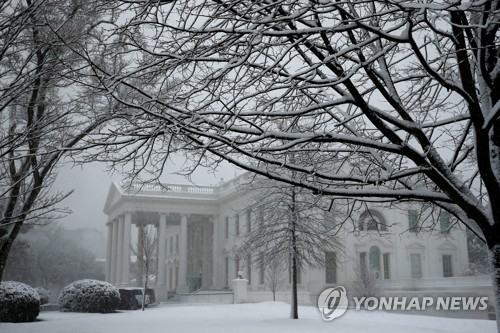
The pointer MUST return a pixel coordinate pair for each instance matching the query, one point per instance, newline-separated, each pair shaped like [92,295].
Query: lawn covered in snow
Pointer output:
[260,318]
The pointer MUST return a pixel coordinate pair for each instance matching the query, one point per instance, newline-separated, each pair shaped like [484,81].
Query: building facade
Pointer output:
[200,228]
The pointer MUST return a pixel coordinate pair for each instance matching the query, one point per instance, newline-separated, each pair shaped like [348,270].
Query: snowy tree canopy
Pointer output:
[47,105]
[393,100]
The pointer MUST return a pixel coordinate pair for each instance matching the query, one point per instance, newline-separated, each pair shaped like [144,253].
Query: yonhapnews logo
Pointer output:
[333,303]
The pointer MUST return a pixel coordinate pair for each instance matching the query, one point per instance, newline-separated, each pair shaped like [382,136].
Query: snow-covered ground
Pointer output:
[260,318]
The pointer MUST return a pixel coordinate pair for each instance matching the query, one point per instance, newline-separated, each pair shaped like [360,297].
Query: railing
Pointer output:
[137,188]
[145,187]
[164,188]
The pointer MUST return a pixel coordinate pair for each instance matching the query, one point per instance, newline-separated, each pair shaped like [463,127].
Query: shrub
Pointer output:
[44,295]
[89,296]
[18,302]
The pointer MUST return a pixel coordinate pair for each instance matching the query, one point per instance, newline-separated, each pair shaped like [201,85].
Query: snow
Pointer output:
[242,318]
[17,290]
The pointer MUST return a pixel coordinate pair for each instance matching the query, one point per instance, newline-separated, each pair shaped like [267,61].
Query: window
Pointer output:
[226,227]
[171,245]
[249,270]
[330,267]
[249,221]
[416,265]
[372,220]
[374,261]
[447,267]
[237,265]
[176,276]
[177,243]
[413,221]
[371,224]
[444,222]
[261,269]
[226,272]
[363,267]
[237,225]
[170,275]
[387,270]
[362,259]
[329,221]
[260,219]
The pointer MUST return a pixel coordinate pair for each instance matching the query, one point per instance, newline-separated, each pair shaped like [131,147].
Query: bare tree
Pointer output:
[275,277]
[401,97]
[289,230]
[146,253]
[47,105]
[365,283]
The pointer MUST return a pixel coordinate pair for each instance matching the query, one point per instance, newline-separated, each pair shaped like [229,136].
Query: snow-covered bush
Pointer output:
[18,302]
[89,296]
[44,295]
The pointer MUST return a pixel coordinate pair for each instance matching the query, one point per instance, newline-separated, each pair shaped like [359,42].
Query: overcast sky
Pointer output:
[91,184]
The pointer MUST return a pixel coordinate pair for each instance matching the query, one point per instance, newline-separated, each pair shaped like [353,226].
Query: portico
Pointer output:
[183,218]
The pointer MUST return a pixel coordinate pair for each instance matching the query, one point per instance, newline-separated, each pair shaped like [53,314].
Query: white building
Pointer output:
[200,227]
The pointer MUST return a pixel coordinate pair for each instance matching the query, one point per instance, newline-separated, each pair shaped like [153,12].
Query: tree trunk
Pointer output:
[295,310]
[140,254]
[495,275]
[5,245]
[7,238]
[144,293]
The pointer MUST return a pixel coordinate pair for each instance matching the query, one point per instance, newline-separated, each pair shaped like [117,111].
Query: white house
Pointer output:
[200,227]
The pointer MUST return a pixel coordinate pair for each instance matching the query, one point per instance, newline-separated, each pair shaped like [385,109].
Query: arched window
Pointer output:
[372,220]
[371,224]
[374,260]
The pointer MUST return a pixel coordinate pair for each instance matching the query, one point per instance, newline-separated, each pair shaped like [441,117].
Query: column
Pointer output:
[119,251]
[183,288]
[207,255]
[216,278]
[126,249]
[114,254]
[109,250]
[140,254]
[161,283]
[170,284]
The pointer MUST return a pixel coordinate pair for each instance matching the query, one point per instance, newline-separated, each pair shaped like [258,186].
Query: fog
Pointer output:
[91,183]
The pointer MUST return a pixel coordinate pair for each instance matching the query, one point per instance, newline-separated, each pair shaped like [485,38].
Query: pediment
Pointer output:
[448,246]
[415,247]
[115,193]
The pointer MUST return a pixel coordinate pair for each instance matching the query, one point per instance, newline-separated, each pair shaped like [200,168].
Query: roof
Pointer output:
[121,191]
